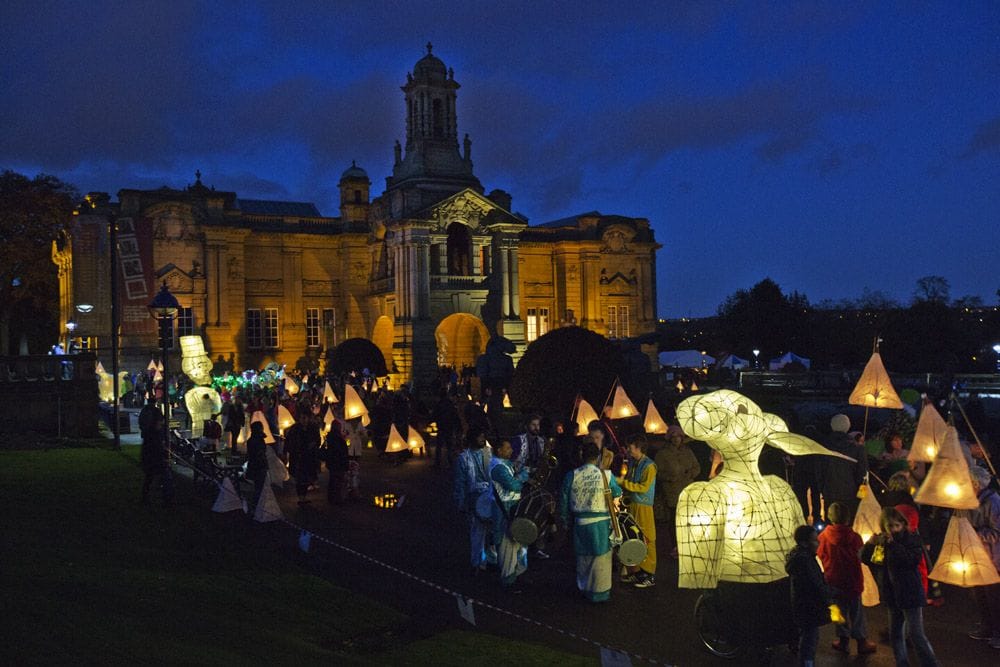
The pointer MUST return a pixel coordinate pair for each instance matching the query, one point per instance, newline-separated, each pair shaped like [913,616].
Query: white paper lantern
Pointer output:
[290,387]
[868,518]
[259,417]
[949,483]
[415,440]
[506,401]
[328,395]
[930,434]
[964,560]
[653,422]
[874,389]
[354,407]
[285,418]
[585,414]
[396,442]
[152,366]
[621,407]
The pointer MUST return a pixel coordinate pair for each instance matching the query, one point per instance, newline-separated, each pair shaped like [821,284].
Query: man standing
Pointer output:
[840,479]
[584,499]
[529,446]
[511,556]
[445,415]
[155,460]
[472,479]
[639,482]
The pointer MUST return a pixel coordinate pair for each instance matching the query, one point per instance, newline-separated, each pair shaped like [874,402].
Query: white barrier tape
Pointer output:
[439,587]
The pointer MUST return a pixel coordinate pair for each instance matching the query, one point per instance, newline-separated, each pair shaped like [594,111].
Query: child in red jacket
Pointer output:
[838,551]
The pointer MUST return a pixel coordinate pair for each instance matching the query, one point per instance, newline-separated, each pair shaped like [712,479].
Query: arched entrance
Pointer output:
[383,336]
[459,250]
[461,338]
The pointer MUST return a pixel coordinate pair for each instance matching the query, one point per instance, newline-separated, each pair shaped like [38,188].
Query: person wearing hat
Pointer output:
[840,479]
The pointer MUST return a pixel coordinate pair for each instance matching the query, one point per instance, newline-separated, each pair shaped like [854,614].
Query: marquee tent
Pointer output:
[734,362]
[778,363]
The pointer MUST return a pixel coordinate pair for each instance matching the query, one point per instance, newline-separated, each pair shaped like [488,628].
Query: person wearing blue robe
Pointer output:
[511,556]
[583,500]
[472,479]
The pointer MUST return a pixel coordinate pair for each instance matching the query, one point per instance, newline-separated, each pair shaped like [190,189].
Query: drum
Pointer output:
[532,515]
[633,548]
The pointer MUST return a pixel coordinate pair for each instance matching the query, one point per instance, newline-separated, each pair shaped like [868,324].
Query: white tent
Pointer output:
[685,359]
[778,363]
[734,362]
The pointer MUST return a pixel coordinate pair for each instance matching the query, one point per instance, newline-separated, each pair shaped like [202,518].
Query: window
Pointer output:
[618,322]
[312,327]
[330,322]
[270,333]
[254,329]
[538,323]
[185,321]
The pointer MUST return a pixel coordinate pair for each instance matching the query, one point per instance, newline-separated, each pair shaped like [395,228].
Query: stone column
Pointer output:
[515,289]
[213,280]
[424,280]
[504,279]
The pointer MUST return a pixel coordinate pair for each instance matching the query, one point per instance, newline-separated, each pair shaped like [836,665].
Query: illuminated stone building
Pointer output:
[428,270]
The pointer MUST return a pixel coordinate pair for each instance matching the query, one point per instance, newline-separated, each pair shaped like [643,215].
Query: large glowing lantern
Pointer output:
[874,389]
[259,417]
[964,560]
[195,362]
[396,442]
[328,395]
[290,387]
[105,384]
[285,418]
[584,415]
[621,407]
[354,407]
[739,525]
[415,441]
[949,483]
[867,522]
[930,434]
[653,422]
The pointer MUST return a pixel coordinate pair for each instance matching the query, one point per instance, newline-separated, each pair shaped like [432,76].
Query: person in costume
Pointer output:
[583,499]
[472,479]
[639,483]
[511,556]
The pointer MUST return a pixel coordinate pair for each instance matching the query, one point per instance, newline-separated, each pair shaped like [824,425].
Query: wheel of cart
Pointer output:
[737,620]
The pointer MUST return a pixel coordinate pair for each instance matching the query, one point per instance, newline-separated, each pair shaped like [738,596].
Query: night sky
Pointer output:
[833,147]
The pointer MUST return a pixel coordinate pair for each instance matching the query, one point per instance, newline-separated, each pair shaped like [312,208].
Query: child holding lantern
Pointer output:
[838,551]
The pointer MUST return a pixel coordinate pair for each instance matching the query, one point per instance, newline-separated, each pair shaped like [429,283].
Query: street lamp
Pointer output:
[756,358]
[996,348]
[163,308]
[70,328]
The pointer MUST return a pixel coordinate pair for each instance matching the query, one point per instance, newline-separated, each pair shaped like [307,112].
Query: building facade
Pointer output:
[429,270]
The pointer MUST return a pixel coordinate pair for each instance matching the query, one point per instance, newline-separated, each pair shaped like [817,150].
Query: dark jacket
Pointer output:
[307,462]
[336,453]
[898,576]
[153,455]
[810,595]
[839,479]
[256,457]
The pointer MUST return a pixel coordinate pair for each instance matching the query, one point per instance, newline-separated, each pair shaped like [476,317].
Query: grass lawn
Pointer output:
[87,575]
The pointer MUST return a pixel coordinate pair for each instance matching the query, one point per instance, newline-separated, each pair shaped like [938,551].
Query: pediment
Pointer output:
[178,280]
[616,238]
[469,208]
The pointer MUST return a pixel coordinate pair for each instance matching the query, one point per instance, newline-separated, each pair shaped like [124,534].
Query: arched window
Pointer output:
[459,250]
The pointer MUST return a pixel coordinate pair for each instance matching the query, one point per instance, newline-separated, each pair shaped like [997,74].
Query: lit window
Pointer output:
[270,332]
[623,328]
[612,321]
[537,323]
[312,327]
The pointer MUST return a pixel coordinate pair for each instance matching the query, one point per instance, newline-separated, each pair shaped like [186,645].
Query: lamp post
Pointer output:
[756,358]
[70,328]
[163,308]
[996,348]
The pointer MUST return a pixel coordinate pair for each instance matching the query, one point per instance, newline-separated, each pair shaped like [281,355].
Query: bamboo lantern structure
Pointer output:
[930,434]
[949,483]
[354,407]
[259,417]
[584,415]
[416,441]
[653,423]
[964,560]
[396,443]
[285,419]
[328,395]
[621,406]
[290,387]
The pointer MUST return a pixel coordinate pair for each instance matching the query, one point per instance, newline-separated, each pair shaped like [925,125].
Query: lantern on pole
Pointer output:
[653,422]
[874,388]
[354,407]
[964,560]
[395,443]
[328,395]
[285,419]
[415,441]
[930,434]
[949,483]
[584,415]
[621,406]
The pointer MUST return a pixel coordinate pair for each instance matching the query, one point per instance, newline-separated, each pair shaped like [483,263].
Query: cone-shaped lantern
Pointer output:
[621,407]
[244,433]
[328,395]
[414,440]
[867,520]
[159,366]
[328,418]
[396,442]
[290,387]
[152,366]
[964,560]
[365,421]
[285,418]
[305,381]
[949,483]
[354,407]
[584,415]
[259,417]
[931,431]
[654,423]
[506,400]
[694,385]
[680,386]
[158,376]
[874,389]
[99,369]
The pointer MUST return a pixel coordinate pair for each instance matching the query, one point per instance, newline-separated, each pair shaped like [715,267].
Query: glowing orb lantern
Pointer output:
[949,483]
[328,395]
[354,407]
[964,560]
[930,434]
[724,532]
[259,417]
[584,415]
[874,389]
[396,442]
[415,441]
[653,423]
[621,407]
[285,418]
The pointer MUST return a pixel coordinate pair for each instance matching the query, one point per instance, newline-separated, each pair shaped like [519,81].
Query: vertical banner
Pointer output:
[138,284]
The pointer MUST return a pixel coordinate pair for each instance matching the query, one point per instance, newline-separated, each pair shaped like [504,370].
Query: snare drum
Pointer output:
[531,516]
[633,548]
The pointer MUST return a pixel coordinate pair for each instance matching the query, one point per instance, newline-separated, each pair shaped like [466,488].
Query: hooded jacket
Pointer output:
[838,551]
[810,594]
[898,576]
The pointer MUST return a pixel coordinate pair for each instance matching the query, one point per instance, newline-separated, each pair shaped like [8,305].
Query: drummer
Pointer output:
[639,485]
[511,556]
